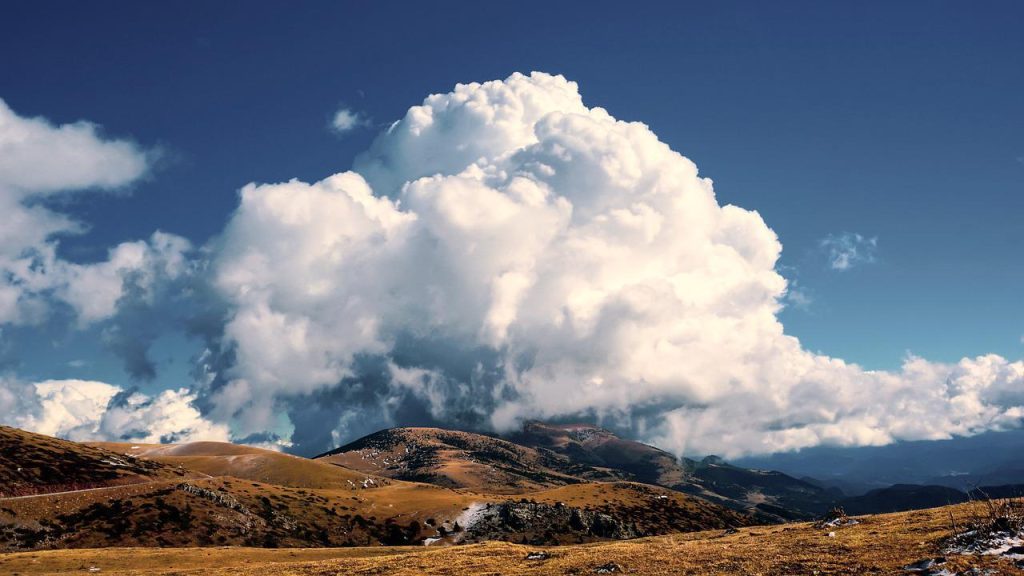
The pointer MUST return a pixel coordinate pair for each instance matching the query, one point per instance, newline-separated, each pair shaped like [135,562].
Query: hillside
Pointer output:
[219,494]
[772,496]
[249,463]
[901,497]
[461,460]
[34,463]
[546,455]
[902,543]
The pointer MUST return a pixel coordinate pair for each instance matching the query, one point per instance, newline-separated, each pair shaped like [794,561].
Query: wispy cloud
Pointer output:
[849,249]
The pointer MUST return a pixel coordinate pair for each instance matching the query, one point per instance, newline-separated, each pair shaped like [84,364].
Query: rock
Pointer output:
[924,566]
[609,568]
[538,556]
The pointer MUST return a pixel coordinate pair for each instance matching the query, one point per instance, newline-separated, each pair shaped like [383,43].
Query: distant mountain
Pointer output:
[962,463]
[771,495]
[902,497]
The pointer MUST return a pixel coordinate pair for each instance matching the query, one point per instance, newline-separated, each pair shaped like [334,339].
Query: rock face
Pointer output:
[639,511]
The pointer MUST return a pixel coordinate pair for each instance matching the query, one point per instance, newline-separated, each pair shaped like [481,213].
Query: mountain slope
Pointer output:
[902,497]
[250,463]
[772,495]
[461,460]
[188,507]
[34,463]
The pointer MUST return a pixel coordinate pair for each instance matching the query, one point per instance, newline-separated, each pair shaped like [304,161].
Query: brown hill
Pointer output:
[250,463]
[34,463]
[772,496]
[548,455]
[461,460]
[327,510]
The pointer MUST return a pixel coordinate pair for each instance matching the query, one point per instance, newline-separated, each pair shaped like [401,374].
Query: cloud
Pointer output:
[39,160]
[502,252]
[346,120]
[506,252]
[847,250]
[37,157]
[88,410]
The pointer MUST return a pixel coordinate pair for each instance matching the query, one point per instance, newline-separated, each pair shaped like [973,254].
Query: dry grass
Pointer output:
[246,462]
[877,545]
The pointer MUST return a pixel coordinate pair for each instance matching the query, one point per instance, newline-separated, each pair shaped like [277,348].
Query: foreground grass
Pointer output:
[877,545]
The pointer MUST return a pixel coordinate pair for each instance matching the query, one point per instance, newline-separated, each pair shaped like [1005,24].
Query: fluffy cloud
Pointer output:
[88,410]
[38,161]
[345,120]
[844,251]
[506,252]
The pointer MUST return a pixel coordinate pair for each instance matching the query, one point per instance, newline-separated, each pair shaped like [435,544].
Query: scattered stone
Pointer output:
[609,568]
[925,566]
[538,556]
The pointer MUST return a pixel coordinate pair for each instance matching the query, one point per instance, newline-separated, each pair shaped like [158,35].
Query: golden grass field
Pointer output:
[880,544]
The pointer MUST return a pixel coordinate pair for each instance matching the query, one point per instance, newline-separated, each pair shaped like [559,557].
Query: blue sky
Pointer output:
[900,122]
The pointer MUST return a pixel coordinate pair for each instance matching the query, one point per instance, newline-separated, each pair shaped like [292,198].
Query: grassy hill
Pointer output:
[215,494]
[247,462]
[34,463]
[461,460]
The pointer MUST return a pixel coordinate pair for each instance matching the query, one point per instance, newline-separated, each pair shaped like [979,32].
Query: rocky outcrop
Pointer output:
[541,523]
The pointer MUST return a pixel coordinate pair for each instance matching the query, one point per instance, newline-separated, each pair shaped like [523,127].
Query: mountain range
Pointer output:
[544,484]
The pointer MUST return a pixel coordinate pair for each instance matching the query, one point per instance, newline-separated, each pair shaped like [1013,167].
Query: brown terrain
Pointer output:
[214,494]
[877,545]
[558,500]
[545,455]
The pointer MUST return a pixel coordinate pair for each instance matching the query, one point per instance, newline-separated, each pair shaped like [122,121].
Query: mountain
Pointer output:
[770,495]
[902,497]
[215,494]
[960,462]
[460,460]
[545,455]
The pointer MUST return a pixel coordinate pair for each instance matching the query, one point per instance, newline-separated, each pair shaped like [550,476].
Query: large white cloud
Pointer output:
[89,410]
[37,161]
[576,265]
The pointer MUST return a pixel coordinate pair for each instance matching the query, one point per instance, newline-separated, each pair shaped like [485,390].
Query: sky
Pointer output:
[875,150]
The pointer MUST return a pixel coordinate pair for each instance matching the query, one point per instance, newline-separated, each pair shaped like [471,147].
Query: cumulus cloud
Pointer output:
[506,252]
[502,252]
[39,160]
[347,120]
[89,410]
[844,251]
